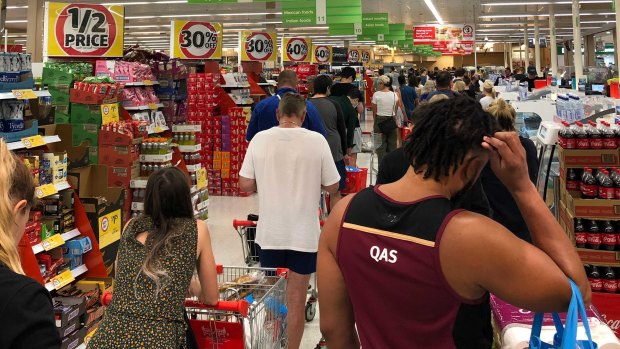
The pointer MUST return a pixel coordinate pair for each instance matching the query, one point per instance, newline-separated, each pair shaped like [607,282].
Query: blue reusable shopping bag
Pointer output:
[566,336]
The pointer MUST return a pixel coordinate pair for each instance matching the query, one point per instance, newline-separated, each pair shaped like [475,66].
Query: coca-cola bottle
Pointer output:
[609,136]
[610,284]
[615,177]
[589,186]
[606,188]
[596,139]
[572,179]
[569,135]
[581,136]
[581,237]
[594,276]
[609,236]
[594,236]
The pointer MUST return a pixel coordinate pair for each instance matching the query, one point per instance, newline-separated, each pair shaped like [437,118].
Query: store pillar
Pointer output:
[510,48]
[537,46]
[577,57]
[526,48]
[34,29]
[589,51]
[553,43]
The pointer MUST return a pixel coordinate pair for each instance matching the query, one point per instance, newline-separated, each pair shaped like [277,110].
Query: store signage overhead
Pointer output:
[397,32]
[296,50]
[321,54]
[432,33]
[340,55]
[354,56]
[83,30]
[313,12]
[258,46]
[196,40]
[365,56]
[375,23]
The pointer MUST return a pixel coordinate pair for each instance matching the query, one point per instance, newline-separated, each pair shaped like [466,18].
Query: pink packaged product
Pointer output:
[152,97]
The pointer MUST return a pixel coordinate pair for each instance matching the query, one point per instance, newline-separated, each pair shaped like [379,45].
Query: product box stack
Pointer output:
[15,71]
[59,78]
[172,90]
[304,71]
[589,199]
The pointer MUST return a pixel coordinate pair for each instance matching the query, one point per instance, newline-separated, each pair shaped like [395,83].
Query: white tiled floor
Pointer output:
[227,244]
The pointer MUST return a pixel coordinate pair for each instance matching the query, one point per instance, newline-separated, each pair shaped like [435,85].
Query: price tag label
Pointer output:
[63,279]
[45,190]
[33,142]
[24,94]
[322,54]
[153,106]
[258,46]
[201,178]
[148,83]
[196,40]
[297,49]
[109,113]
[52,242]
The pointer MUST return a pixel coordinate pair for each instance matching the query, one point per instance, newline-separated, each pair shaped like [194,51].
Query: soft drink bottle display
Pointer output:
[606,188]
[594,276]
[594,236]
[609,236]
[610,283]
[581,237]
[589,186]
[569,136]
[615,177]
[572,179]
[596,139]
[581,136]
[609,136]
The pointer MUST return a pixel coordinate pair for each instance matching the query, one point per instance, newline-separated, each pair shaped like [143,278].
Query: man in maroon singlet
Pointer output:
[396,261]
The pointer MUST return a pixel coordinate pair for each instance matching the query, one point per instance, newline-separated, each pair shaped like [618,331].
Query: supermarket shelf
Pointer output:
[244,103]
[189,148]
[142,83]
[202,205]
[267,83]
[138,183]
[137,206]
[10,95]
[599,258]
[143,107]
[20,145]
[38,248]
[81,346]
[193,168]
[39,192]
[236,86]
[193,189]
[186,128]
[159,129]
[76,273]
[156,158]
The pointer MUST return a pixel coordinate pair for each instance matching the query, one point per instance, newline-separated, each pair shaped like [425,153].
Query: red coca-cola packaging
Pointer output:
[581,237]
[610,283]
[595,136]
[594,236]
[609,236]
[583,142]
[596,282]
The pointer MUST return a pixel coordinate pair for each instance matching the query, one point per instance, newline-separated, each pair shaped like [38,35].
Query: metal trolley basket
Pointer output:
[252,313]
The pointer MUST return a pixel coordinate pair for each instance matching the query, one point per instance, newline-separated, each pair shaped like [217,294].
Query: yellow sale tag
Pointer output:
[153,106]
[53,242]
[33,142]
[201,178]
[109,113]
[24,94]
[109,228]
[148,83]
[45,190]
[63,279]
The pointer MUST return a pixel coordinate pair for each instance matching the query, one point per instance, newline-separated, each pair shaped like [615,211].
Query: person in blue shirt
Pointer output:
[408,95]
[264,114]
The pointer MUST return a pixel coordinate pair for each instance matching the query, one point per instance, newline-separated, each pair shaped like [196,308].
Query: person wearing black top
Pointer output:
[470,89]
[532,75]
[503,206]
[507,75]
[26,312]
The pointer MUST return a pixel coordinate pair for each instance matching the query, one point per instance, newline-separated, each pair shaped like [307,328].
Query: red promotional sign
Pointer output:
[423,33]
[86,30]
[449,39]
[609,307]
[354,56]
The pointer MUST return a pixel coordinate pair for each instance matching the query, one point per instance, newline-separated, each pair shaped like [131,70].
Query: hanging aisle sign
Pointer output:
[83,30]
[258,46]
[196,40]
[321,12]
[433,33]
[296,50]
[321,54]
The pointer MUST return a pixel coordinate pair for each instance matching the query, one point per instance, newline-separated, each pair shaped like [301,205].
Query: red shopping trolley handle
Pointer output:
[242,307]
[244,224]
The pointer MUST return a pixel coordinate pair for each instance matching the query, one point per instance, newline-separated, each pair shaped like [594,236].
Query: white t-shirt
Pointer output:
[486,102]
[385,101]
[289,165]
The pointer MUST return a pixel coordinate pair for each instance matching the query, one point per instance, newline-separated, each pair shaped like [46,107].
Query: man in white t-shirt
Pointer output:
[288,166]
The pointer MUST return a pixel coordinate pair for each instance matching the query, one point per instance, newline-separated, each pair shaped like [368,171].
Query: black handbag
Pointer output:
[387,126]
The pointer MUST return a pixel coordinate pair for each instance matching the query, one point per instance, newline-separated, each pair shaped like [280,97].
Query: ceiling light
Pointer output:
[17,21]
[15,7]
[429,4]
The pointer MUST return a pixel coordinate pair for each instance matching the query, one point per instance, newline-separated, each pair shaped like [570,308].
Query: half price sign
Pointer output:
[297,50]
[196,40]
[83,30]
[365,56]
[321,54]
[354,56]
[258,46]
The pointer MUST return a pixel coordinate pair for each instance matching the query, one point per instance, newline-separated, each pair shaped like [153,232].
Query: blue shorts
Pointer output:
[303,263]
[343,174]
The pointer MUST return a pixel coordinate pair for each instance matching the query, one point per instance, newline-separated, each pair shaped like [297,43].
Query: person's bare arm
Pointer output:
[337,320]
[373,107]
[247,185]
[331,188]
[207,272]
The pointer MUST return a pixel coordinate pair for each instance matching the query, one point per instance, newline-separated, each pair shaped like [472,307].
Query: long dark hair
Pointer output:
[167,197]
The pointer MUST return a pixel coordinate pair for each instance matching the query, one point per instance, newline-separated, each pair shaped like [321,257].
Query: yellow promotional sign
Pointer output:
[201,178]
[45,190]
[33,141]
[258,46]
[297,50]
[53,242]
[109,228]
[83,30]
[365,56]
[196,40]
[109,113]
[63,279]
[24,94]
[321,54]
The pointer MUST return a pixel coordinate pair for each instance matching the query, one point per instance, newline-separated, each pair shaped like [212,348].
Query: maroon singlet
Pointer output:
[388,252]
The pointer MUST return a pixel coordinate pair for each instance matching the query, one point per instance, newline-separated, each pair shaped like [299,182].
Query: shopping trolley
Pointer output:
[371,141]
[247,232]
[251,315]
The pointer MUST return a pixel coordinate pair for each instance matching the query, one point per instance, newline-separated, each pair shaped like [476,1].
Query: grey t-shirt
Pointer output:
[329,115]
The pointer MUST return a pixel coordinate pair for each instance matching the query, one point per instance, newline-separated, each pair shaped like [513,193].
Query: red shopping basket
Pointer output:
[355,181]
